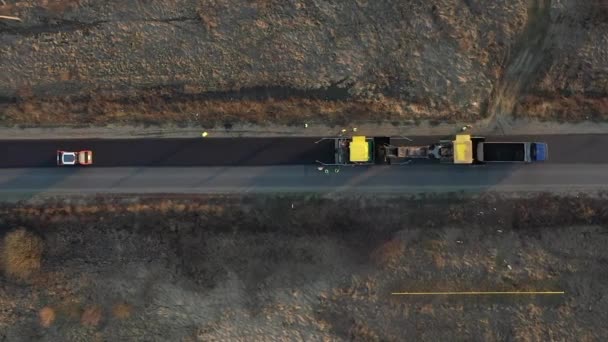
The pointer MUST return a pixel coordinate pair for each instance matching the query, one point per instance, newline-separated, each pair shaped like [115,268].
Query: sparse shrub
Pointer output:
[427,309]
[70,310]
[439,260]
[60,6]
[362,332]
[92,316]
[585,212]
[389,254]
[21,253]
[47,316]
[122,310]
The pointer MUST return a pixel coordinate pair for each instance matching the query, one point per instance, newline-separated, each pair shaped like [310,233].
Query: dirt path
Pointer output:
[527,59]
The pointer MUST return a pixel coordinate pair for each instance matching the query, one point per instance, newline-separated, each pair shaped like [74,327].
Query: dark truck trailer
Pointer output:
[523,152]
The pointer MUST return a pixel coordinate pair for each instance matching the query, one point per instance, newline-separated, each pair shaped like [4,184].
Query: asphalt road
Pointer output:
[170,152]
[588,149]
[577,163]
[24,183]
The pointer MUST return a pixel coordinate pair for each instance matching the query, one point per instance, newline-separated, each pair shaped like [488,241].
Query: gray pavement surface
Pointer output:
[27,183]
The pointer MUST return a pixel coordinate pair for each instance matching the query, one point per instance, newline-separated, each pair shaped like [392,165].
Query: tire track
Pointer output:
[525,62]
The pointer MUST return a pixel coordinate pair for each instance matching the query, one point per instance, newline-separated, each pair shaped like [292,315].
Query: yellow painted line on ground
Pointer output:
[479,293]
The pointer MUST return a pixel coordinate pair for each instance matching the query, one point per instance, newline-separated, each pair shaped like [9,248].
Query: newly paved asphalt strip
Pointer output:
[169,152]
[27,168]
[250,151]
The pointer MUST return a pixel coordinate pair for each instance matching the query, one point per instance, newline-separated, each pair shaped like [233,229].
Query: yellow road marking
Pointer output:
[479,293]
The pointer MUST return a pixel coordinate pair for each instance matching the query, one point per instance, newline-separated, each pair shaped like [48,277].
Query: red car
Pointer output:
[84,157]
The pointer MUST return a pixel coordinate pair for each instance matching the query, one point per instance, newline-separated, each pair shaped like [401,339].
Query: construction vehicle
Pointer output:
[464,149]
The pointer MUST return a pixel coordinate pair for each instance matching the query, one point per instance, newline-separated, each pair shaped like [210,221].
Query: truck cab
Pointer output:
[539,151]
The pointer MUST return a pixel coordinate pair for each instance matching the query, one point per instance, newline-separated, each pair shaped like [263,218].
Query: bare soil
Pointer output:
[216,63]
[309,268]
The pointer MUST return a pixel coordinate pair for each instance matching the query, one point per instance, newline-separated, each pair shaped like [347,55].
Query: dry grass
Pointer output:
[439,260]
[352,307]
[361,332]
[531,327]
[441,66]
[427,309]
[91,211]
[152,110]
[122,311]
[92,316]
[389,254]
[70,309]
[46,316]
[538,211]
[52,6]
[59,6]
[566,108]
[21,253]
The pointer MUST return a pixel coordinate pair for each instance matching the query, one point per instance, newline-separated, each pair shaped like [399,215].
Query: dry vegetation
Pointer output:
[155,109]
[571,82]
[47,316]
[21,254]
[263,62]
[249,268]
[92,316]
[122,311]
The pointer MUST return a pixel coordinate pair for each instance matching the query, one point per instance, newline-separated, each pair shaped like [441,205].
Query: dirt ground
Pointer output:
[217,63]
[305,268]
